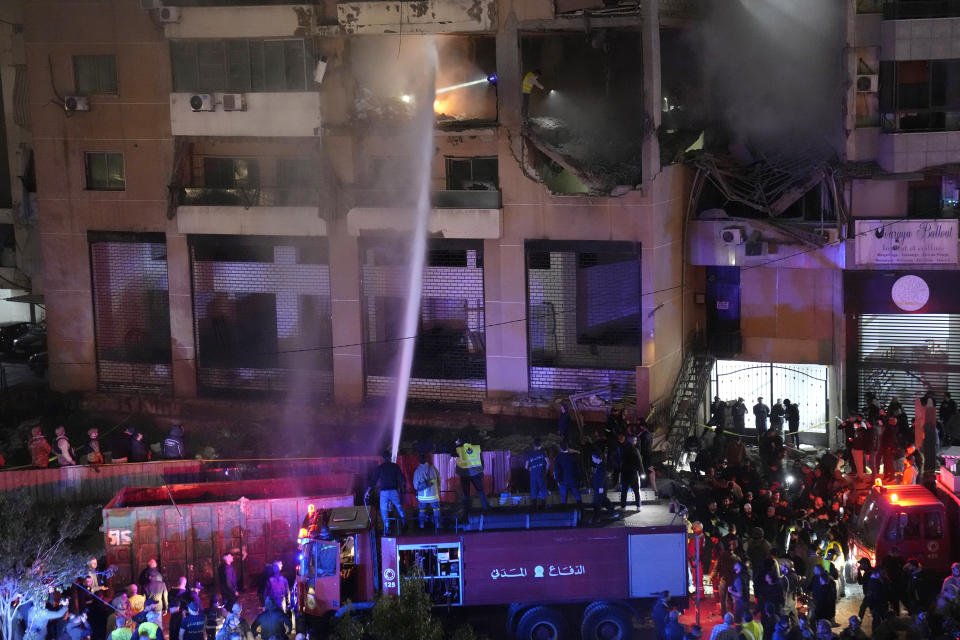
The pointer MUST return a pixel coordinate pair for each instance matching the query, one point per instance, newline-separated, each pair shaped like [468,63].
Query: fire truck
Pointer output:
[909,521]
[550,577]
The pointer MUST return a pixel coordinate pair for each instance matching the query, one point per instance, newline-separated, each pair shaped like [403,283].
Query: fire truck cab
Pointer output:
[904,520]
[336,563]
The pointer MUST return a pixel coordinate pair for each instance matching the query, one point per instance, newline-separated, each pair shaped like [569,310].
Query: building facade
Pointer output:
[222,187]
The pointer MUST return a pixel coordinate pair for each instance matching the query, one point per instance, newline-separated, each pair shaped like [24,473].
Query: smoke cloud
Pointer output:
[775,69]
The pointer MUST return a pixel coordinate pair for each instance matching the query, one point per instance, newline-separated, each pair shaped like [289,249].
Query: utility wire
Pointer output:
[555,313]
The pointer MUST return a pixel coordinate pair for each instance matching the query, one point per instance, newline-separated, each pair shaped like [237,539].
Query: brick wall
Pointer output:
[262,318]
[131,314]
[449,361]
[559,361]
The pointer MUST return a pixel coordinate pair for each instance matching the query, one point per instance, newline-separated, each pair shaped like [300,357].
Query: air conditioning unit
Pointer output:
[868,83]
[201,102]
[76,103]
[233,102]
[731,235]
[830,236]
[169,14]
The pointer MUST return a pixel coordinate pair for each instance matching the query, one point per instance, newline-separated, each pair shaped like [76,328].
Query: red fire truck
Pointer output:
[550,576]
[910,521]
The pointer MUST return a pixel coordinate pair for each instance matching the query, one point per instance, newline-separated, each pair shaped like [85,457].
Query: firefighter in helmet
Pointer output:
[470,469]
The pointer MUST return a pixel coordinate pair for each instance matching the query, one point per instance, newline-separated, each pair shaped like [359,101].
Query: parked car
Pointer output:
[9,331]
[38,363]
[32,341]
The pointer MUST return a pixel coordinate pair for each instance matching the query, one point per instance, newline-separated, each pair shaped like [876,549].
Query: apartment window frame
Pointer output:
[210,178]
[91,185]
[102,81]
[450,161]
[933,104]
[240,65]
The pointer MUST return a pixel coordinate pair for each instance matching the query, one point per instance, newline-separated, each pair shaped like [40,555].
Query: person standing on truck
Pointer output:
[426,482]
[470,469]
[598,482]
[536,464]
[390,481]
[568,473]
[631,466]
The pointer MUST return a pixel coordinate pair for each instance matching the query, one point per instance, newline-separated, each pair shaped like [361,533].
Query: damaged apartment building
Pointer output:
[222,186]
[823,205]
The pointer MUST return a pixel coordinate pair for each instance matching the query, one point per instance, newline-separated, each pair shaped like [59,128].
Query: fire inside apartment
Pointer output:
[222,194]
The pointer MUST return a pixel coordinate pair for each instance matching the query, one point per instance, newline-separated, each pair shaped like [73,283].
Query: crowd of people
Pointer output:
[127,445]
[150,610]
[771,529]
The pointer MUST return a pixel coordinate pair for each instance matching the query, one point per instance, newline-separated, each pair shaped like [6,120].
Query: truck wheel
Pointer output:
[606,622]
[542,623]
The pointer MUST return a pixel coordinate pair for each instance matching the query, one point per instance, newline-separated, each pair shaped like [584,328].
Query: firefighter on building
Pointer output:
[470,469]
[426,481]
[530,80]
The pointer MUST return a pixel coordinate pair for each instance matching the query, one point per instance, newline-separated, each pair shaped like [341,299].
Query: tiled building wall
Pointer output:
[449,359]
[558,360]
[131,314]
[263,325]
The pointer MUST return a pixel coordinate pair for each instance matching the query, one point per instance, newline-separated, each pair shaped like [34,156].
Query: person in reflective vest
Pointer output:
[151,628]
[426,481]
[530,80]
[470,469]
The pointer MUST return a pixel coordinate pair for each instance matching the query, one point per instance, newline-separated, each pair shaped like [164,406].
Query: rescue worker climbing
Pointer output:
[530,80]
[470,469]
[426,481]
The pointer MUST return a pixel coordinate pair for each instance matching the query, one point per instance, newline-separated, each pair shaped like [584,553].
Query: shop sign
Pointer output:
[906,242]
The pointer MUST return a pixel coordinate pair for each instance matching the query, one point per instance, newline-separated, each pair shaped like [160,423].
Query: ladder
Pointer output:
[688,394]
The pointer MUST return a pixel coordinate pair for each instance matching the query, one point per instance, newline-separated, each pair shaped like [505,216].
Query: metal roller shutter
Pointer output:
[908,355]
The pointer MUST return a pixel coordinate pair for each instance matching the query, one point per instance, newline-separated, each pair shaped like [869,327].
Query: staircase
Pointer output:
[681,416]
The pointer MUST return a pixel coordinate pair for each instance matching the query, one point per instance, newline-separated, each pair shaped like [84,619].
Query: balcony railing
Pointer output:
[446,199]
[921,120]
[911,9]
[246,197]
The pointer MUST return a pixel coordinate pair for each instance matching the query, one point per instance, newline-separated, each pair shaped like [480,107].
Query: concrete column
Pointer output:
[504,276]
[652,96]
[347,316]
[508,77]
[70,329]
[182,339]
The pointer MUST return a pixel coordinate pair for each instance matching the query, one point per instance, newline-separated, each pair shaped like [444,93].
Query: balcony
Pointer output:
[429,16]
[260,211]
[287,114]
[913,9]
[454,214]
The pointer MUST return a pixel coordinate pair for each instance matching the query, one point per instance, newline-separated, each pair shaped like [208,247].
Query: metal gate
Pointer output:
[908,355]
[131,310]
[804,384]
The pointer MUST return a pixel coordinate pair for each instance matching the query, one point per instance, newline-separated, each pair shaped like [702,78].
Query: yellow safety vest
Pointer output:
[149,628]
[468,456]
[528,82]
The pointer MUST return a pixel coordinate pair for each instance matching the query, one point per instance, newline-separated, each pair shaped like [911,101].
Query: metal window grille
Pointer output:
[908,355]
[583,314]
[262,316]
[131,310]
[449,363]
